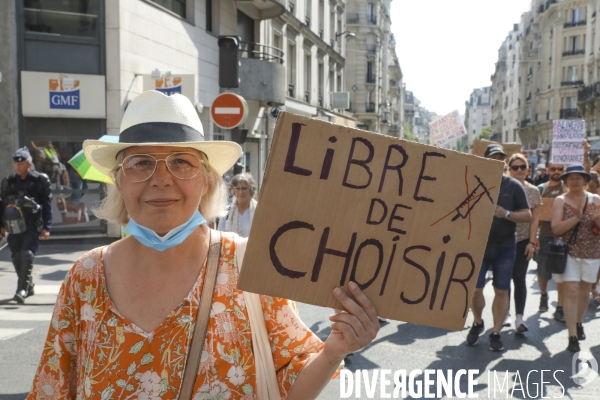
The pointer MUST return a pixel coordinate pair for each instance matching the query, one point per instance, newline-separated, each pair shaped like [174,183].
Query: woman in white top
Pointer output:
[243,205]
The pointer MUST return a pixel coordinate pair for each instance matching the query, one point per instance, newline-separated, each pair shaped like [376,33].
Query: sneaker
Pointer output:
[520,324]
[474,332]
[490,275]
[30,291]
[506,320]
[544,303]
[20,296]
[559,314]
[496,342]
[580,332]
[573,346]
[383,321]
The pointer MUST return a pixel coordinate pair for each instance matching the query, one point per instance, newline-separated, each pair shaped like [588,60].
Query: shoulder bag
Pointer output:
[267,386]
[557,260]
[202,318]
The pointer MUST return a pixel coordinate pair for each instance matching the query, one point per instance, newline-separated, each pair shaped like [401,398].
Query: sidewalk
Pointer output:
[53,259]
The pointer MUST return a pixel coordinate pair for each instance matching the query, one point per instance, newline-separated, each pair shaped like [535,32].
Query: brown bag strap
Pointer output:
[202,318]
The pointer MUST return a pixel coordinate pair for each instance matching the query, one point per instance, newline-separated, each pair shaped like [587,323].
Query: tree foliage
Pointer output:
[408,135]
[486,133]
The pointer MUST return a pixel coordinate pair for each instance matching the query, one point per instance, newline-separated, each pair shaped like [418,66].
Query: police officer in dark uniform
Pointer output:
[25,216]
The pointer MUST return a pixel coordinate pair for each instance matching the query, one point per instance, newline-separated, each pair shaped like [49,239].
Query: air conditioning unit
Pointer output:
[340,100]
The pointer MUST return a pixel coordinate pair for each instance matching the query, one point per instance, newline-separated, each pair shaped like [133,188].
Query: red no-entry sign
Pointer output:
[229,110]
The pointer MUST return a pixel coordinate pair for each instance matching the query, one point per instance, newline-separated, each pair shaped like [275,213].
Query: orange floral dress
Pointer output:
[93,352]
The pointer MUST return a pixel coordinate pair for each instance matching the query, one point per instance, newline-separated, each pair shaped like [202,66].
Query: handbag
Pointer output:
[192,363]
[557,260]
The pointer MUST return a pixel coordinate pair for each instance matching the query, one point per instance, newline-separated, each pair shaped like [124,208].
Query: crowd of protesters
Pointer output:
[519,233]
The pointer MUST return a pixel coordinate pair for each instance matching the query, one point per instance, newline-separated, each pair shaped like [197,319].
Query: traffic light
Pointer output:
[229,61]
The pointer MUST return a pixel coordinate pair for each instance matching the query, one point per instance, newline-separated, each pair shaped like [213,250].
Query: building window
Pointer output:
[209,16]
[291,70]
[62,18]
[307,73]
[176,6]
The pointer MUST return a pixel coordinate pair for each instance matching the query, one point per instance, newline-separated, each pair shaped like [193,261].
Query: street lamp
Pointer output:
[347,33]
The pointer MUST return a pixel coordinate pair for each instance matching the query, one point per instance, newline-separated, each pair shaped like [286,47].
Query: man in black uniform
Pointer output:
[25,216]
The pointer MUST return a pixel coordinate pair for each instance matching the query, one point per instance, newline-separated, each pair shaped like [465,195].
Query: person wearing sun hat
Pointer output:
[574,215]
[135,311]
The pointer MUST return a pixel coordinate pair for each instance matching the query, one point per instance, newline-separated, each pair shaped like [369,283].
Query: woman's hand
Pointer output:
[530,251]
[352,329]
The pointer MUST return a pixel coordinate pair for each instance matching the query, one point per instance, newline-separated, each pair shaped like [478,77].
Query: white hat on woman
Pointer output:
[155,119]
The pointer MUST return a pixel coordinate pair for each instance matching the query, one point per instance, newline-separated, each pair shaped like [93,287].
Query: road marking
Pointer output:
[11,333]
[23,316]
[47,289]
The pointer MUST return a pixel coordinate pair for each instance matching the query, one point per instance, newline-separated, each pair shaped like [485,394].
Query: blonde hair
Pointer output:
[518,156]
[212,205]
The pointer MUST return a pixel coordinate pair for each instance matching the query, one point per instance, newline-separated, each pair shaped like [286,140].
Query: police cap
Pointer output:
[21,155]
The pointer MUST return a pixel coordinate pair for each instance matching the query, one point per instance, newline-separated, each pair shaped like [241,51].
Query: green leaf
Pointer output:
[129,387]
[131,369]
[55,323]
[113,321]
[121,383]
[248,389]
[147,359]
[136,347]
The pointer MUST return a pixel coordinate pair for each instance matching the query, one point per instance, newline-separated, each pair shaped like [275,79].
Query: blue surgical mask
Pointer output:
[174,237]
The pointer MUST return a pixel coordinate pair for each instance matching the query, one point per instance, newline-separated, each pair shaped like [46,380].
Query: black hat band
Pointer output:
[160,132]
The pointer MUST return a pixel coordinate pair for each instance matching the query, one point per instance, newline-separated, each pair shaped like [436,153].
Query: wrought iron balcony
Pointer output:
[573,53]
[290,90]
[320,100]
[589,92]
[307,96]
[370,107]
[371,78]
[574,23]
[371,48]
[371,20]
[571,83]
[525,123]
[394,128]
[566,113]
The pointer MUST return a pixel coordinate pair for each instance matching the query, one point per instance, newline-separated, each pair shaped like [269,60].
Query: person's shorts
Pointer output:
[578,270]
[501,261]
[541,257]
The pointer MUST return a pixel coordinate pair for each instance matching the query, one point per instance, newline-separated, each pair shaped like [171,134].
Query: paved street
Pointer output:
[399,346]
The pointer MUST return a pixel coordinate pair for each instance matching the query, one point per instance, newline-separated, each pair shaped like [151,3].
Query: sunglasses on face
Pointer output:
[518,167]
[554,169]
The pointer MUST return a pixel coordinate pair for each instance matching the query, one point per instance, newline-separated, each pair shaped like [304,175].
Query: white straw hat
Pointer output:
[155,119]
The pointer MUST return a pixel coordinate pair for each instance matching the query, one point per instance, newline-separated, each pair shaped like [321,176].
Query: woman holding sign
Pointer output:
[527,242]
[157,314]
[574,215]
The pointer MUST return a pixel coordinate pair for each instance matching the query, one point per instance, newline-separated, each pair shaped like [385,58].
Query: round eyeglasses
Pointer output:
[141,167]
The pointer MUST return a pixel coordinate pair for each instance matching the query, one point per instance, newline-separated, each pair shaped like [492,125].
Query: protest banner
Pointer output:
[479,146]
[447,128]
[567,141]
[407,222]
[546,209]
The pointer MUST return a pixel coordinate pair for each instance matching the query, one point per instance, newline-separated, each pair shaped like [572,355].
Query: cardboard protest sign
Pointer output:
[546,209]
[407,222]
[479,146]
[447,128]
[567,141]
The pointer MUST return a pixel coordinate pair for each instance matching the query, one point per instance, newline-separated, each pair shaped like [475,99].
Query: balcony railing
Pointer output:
[371,20]
[525,123]
[321,33]
[394,128]
[307,96]
[320,100]
[260,51]
[566,113]
[291,90]
[307,20]
[371,48]
[370,107]
[371,78]
[352,18]
[589,92]
[291,7]
[571,83]
[573,53]
[574,23]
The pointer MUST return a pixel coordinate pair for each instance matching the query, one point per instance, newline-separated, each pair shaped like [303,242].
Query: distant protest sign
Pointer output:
[567,141]
[546,209]
[407,222]
[447,128]
[479,146]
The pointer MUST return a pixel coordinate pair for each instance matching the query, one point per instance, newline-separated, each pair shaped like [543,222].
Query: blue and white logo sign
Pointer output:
[64,94]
